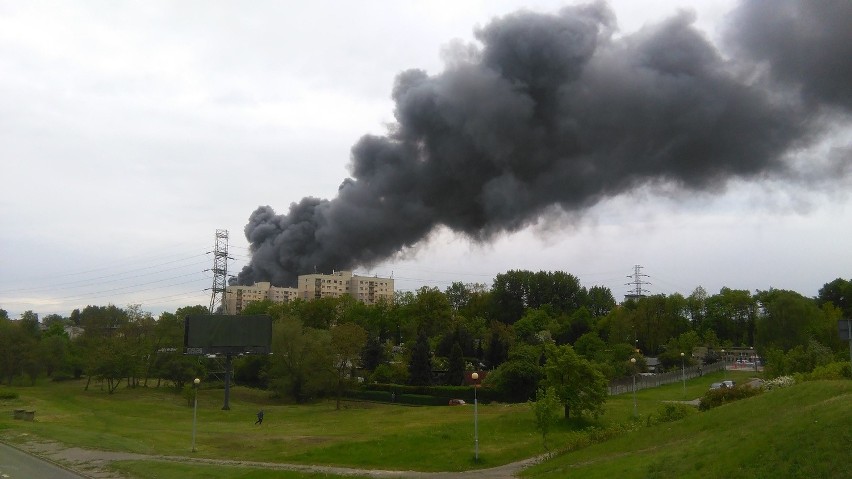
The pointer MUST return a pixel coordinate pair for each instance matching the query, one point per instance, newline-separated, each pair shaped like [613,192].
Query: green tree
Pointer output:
[546,411]
[515,291]
[420,364]
[138,338]
[459,333]
[431,311]
[458,294]
[300,360]
[696,307]
[55,353]
[732,315]
[789,320]
[533,322]
[455,366]
[500,339]
[469,300]
[319,313]
[517,378]
[658,318]
[839,293]
[29,324]
[373,353]
[509,296]
[580,385]
[52,319]
[170,363]
[799,359]
[591,347]
[573,326]
[19,351]
[347,341]
[618,326]
[600,301]
[253,308]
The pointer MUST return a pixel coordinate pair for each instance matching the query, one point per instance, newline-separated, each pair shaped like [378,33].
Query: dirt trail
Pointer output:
[95,464]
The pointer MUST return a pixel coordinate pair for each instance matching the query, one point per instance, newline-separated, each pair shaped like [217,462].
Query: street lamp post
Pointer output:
[724,365]
[753,358]
[195,384]
[633,371]
[683,374]
[475,376]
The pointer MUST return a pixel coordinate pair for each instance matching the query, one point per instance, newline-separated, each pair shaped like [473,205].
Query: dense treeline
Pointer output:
[528,330]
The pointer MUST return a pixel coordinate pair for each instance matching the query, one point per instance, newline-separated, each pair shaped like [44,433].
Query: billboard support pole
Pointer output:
[227,406]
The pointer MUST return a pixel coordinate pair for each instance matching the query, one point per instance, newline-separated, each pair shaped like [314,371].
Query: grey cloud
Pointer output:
[556,113]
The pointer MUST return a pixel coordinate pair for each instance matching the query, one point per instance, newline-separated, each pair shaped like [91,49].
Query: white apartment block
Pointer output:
[366,289]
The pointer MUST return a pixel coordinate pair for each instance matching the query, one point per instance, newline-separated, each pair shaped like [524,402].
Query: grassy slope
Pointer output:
[801,432]
[160,470]
[362,435]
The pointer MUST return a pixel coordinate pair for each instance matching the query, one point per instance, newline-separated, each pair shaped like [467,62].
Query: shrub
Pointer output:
[515,380]
[778,383]
[832,371]
[718,397]
[5,395]
[390,373]
[189,394]
[670,412]
[443,393]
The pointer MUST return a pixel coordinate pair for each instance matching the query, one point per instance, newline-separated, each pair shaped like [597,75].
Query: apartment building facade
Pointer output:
[366,289]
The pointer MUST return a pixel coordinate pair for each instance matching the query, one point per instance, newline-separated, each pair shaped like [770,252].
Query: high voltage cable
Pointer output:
[75,273]
[94,296]
[90,281]
[146,301]
[123,291]
[101,292]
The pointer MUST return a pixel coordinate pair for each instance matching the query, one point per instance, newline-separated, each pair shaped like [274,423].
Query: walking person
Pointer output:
[259,417]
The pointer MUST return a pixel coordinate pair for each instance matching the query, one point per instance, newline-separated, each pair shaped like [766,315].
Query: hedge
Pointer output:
[445,393]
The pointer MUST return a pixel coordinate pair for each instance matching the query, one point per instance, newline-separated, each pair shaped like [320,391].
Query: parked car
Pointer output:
[723,384]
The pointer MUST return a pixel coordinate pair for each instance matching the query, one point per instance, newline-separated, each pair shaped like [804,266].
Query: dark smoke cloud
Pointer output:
[555,112]
[807,44]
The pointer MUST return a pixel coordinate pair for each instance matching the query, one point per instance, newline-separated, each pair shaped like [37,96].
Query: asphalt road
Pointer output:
[15,464]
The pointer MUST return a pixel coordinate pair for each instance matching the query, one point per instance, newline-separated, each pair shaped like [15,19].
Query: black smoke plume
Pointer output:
[557,112]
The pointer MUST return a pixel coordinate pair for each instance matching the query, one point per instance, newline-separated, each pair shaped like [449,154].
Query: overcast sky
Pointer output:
[131,131]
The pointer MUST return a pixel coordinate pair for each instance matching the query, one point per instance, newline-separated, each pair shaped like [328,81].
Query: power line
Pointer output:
[99,279]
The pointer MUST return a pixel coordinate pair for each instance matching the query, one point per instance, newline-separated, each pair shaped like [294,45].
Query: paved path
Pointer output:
[94,464]
[16,464]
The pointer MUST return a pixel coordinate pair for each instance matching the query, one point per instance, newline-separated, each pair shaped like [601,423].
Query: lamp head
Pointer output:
[474,376]
[196,381]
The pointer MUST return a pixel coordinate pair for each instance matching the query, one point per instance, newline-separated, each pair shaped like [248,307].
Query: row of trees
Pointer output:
[528,330]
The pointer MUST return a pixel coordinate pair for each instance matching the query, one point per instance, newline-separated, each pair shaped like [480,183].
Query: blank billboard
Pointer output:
[226,334]
[844,329]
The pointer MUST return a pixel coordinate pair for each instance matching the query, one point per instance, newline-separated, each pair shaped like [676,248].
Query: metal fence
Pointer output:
[625,385]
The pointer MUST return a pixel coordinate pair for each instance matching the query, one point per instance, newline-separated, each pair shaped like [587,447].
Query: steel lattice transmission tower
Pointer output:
[637,291]
[220,271]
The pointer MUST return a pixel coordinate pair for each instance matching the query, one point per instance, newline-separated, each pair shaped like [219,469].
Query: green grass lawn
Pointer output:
[800,432]
[159,470]
[361,435]
[739,439]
